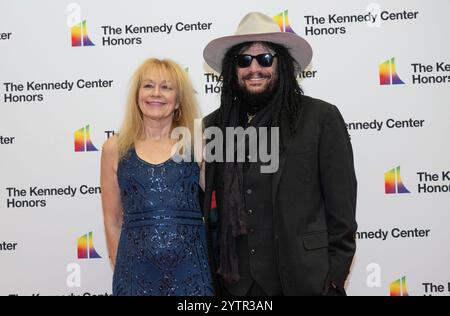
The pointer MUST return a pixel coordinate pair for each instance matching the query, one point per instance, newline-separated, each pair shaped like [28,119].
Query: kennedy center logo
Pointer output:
[83,141]
[282,20]
[393,182]
[86,248]
[77,27]
[388,73]
[398,288]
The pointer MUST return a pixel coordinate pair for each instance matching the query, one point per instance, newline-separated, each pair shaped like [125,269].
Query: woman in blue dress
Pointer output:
[150,190]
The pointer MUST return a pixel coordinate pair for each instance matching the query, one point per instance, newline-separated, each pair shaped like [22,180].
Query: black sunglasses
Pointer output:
[245,60]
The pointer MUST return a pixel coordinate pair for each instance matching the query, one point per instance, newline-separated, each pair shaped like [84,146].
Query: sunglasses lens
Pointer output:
[265,60]
[244,61]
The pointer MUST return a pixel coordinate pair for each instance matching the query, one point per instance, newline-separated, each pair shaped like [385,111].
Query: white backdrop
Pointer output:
[49,197]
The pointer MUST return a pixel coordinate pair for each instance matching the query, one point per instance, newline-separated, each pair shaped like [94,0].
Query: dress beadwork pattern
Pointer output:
[162,249]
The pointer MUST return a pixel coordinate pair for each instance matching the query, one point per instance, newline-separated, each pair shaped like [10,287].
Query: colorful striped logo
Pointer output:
[83,141]
[388,73]
[80,36]
[393,182]
[398,287]
[282,20]
[86,248]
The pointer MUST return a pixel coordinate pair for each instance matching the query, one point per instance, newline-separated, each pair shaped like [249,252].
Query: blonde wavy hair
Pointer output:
[132,128]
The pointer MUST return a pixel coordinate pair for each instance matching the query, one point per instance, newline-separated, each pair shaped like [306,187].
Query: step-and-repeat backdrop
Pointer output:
[65,69]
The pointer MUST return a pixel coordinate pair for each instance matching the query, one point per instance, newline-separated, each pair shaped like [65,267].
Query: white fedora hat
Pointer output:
[258,27]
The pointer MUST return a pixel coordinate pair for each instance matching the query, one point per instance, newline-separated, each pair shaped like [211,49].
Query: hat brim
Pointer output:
[299,48]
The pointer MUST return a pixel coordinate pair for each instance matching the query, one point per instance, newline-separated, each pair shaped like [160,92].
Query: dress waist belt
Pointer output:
[162,217]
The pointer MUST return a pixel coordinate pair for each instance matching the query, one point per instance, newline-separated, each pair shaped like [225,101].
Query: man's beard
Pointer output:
[253,102]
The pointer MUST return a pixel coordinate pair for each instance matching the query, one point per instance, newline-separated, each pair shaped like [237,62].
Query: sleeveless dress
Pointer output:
[162,249]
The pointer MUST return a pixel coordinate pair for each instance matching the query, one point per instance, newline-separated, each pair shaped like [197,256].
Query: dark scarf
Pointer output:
[233,212]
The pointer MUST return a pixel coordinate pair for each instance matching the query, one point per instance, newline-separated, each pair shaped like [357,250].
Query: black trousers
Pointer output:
[255,290]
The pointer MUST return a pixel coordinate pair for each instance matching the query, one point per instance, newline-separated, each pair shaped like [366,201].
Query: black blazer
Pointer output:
[314,202]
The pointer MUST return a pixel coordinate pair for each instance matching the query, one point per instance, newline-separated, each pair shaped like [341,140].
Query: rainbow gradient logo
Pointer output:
[83,141]
[393,182]
[282,20]
[398,288]
[80,37]
[77,27]
[86,248]
[388,73]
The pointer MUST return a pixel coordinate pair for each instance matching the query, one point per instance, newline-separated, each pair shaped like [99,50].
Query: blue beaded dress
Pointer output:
[162,249]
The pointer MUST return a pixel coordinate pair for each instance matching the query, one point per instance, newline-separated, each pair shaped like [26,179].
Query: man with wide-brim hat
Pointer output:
[289,231]
[257,27]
